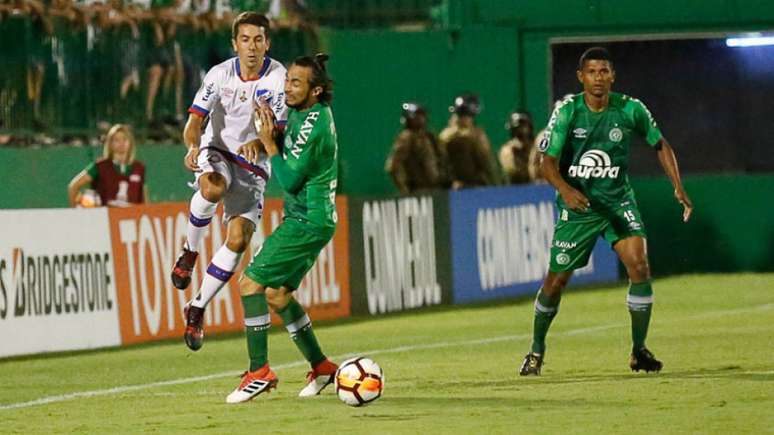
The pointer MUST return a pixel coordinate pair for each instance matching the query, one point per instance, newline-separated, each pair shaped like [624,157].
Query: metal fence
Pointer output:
[69,80]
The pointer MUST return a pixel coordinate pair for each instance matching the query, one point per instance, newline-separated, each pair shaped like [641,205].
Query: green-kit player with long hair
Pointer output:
[586,157]
[306,169]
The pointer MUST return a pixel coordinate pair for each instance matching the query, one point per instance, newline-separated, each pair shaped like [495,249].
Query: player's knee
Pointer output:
[554,285]
[249,287]
[639,269]
[213,187]
[277,299]
[237,243]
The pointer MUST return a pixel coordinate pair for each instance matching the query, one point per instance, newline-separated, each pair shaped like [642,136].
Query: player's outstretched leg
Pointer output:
[640,303]
[299,325]
[201,212]
[546,308]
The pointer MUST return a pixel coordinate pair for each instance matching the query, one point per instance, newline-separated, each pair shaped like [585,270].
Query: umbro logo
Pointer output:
[580,133]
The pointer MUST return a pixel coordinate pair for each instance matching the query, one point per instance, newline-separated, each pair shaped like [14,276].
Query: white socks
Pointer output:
[220,270]
[201,212]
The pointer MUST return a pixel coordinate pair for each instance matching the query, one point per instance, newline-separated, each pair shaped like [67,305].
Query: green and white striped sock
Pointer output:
[546,309]
[640,302]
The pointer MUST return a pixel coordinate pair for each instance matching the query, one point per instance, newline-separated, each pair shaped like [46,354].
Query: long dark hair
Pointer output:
[319,75]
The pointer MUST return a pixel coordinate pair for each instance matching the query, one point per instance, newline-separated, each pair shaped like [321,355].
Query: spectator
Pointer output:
[413,162]
[117,178]
[515,154]
[466,146]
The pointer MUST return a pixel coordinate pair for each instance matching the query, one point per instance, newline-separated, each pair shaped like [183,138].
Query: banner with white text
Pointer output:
[501,238]
[57,283]
[400,253]
[146,241]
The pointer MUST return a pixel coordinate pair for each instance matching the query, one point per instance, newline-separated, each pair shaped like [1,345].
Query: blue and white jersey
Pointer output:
[229,102]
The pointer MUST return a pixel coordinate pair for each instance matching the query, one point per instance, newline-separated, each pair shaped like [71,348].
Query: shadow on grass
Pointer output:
[760,374]
[473,403]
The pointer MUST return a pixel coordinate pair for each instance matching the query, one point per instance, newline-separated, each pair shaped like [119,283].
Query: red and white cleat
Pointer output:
[253,384]
[320,377]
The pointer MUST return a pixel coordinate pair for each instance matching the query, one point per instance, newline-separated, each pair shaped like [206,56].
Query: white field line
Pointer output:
[482,341]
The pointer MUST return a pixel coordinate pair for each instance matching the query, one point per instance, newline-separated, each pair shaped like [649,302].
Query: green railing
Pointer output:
[72,79]
[371,13]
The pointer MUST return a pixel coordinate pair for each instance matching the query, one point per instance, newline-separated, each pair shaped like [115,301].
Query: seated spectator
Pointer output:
[514,155]
[466,146]
[413,162]
[117,179]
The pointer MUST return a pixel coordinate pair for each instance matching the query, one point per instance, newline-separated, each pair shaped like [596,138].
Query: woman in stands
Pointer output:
[117,179]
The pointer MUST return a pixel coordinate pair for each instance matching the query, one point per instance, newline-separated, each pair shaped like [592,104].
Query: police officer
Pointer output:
[466,146]
[414,162]
[514,155]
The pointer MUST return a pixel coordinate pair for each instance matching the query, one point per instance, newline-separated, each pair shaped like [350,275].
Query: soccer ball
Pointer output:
[89,198]
[359,381]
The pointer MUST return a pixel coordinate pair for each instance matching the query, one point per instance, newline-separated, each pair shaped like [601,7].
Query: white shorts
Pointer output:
[245,182]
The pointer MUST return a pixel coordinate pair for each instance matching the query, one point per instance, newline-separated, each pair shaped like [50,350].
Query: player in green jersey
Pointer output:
[586,157]
[306,169]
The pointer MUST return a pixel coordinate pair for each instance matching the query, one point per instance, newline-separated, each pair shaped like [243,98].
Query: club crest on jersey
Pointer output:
[243,96]
[580,133]
[563,259]
[616,134]
[594,164]
[543,145]
[265,95]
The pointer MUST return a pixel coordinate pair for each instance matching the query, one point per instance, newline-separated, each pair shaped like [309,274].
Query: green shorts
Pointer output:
[576,233]
[287,255]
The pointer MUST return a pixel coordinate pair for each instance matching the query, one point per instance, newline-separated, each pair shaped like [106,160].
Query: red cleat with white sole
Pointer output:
[253,384]
[320,377]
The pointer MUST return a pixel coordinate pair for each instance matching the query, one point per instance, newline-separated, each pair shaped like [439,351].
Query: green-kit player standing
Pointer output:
[586,157]
[307,171]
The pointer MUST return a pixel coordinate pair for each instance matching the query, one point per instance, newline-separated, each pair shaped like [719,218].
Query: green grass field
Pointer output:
[450,370]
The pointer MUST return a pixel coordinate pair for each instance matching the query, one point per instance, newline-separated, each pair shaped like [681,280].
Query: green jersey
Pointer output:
[593,147]
[307,169]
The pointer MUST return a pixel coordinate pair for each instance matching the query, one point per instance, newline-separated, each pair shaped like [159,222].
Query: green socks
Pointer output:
[545,311]
[299,326]
[257,323]
[640,302]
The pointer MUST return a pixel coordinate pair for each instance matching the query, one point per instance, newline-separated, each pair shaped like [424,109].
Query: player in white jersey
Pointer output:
[228,160]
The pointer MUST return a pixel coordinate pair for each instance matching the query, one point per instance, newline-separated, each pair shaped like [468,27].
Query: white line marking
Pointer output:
[480,341]
[129,388]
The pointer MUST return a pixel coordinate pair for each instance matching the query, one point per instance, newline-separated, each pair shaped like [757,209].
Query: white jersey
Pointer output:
[229,102]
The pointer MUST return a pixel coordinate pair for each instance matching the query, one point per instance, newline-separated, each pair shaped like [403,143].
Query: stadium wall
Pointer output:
[39,176]
[500,49]
[742,237]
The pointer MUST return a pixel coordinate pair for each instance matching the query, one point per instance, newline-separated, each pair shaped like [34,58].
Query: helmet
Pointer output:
[517,118]
[466,104]
[410,110]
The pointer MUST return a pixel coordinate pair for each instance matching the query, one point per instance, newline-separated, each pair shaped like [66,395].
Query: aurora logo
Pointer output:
[594,164]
